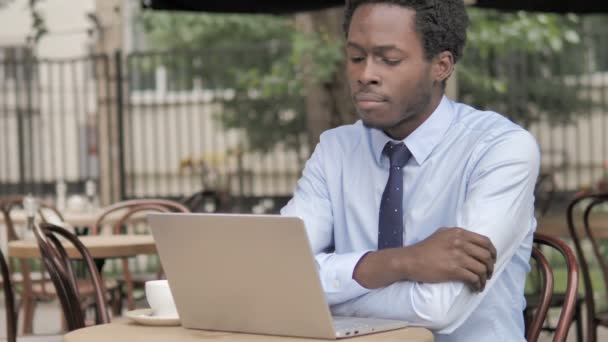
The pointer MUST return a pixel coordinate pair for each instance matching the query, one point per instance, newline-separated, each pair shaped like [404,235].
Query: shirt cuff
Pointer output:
[336,271]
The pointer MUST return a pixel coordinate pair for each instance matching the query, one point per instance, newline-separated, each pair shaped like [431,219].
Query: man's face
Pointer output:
[389,76]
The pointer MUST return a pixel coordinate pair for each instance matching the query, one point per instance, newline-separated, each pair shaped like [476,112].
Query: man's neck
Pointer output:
[407,127]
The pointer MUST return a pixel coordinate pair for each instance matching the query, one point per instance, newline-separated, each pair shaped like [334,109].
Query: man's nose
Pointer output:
[369,74]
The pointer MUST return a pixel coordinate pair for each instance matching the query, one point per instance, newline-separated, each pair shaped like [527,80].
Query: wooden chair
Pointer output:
[544,193]
[122,212]
[37,287]
[198,201]
[567,311]
[594,318]
[535,316]
[9,203]
[59,267]
[10,309]
[9,301]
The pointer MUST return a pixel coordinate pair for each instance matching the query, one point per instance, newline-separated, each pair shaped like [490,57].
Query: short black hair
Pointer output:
[441,24]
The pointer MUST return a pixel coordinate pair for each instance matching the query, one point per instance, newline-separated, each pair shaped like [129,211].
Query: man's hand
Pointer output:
[452,254]
[449,254]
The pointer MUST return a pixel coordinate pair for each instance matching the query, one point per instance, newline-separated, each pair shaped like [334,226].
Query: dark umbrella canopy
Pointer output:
[242,6]
[557,6]
[290,6]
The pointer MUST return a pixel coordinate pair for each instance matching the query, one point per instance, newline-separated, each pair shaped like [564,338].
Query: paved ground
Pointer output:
[48,322]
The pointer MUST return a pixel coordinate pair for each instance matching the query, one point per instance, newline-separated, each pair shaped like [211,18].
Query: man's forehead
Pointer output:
[381,24]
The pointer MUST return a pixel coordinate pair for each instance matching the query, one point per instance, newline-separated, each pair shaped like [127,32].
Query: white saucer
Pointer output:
[142,316]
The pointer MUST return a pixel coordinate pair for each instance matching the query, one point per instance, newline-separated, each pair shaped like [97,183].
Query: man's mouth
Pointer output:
[368,101]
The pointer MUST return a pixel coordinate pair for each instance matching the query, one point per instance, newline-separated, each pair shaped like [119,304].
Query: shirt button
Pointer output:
[336,284]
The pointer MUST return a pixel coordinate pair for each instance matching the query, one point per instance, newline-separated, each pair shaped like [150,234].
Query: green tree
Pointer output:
[265,60]
[524,65]
[520,64]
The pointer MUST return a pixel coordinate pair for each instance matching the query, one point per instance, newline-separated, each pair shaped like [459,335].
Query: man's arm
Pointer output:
[457,254]
[499,205]
[311,202]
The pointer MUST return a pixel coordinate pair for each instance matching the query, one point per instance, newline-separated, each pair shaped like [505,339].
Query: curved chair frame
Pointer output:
[540,312]
[59,267]
[130,208]
[9,301]
[30,294]
[595,198]
[171,205]
[567,312]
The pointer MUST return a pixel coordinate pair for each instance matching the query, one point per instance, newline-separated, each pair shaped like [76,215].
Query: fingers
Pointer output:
[461,236]
[477,268]
[481,255]
[481,241]
[471,279]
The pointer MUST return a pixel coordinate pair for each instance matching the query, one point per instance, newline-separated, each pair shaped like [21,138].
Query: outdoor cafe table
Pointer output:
[100,246]
[75,218]
[72,218]
[556,224]
[123,330]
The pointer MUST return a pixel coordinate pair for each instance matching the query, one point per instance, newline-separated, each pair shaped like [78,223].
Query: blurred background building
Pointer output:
[167,104]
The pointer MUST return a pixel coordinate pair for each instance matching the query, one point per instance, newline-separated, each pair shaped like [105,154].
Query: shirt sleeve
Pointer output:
[312,204]
[499,204]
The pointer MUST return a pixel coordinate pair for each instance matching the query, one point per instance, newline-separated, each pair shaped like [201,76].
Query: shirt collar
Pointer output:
[423,140]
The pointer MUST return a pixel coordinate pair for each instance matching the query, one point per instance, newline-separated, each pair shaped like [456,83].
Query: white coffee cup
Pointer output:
[160,298]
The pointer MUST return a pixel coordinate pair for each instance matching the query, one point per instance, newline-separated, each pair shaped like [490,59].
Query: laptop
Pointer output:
[250,274]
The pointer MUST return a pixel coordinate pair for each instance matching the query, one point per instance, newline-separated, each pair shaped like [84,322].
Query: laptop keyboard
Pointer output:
[352,323]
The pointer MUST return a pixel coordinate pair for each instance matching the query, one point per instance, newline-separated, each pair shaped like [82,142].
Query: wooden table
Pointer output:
[555,224]
[76,218]
[123,330]
[100,246]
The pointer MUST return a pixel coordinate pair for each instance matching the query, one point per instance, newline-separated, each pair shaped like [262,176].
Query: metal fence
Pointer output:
[49,122]
[177,139]
[153,124]
[561,97]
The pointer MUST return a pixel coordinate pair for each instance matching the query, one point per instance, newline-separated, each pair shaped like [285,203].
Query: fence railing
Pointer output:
[151,124]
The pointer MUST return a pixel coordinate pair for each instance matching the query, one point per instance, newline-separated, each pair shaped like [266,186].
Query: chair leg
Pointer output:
[64,323]
[29,305]
[128,284]
[116,302]
[578,318]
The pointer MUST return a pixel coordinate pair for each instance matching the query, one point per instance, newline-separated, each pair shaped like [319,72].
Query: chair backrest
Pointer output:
[599,199]
[13,202]
[567,311]
[544,192]
[125,209]
[591,200]
[58,265]
[7,205]
[9,301]
[546,290]
[197,201]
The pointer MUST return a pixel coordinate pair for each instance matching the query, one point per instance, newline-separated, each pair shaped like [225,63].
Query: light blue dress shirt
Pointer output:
[469,168]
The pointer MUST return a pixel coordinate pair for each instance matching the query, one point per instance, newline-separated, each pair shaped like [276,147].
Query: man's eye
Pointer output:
[356,59]
[391,61]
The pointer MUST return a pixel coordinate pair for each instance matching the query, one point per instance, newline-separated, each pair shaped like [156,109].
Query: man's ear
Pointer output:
[443,66]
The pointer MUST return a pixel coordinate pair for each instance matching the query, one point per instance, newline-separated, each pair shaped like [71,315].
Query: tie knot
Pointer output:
[398,153]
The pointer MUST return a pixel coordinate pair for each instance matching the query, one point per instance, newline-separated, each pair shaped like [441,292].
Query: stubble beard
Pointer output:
[410,113]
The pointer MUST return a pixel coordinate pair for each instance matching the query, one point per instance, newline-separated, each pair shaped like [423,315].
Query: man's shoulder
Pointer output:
[485,122]
[344,137]
[490,128]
